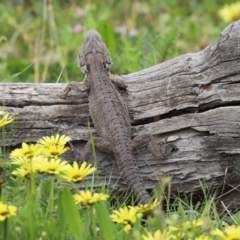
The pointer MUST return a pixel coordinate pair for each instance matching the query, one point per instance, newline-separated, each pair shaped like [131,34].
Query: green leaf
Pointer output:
[107,227]
[181,210]
[108,36]
[71,214]
[90,23]
[17,74]
[63,223]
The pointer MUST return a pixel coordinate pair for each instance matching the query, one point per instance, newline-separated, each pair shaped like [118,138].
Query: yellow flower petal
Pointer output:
[7,211]
[54,151]
[75,173]
[230,12]
[20,161]
[146,208]
[52,166]
[22,172]
[56,140]
[127,227]
[5,118]
[158,235]
[203,237]
[86,197]
[125,215]
[26,151]
[28,165]
[53,146]
[229,233]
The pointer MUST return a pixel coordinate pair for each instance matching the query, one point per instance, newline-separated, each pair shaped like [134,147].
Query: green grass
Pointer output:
[38,38]
[38,44]
[46,209]
[66,220]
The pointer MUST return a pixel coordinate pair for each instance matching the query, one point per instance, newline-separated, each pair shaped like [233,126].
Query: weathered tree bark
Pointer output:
[193,100]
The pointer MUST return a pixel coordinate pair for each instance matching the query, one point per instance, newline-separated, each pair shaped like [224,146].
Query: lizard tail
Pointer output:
[130,174]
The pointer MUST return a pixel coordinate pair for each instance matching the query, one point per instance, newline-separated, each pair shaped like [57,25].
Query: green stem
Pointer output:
[5,229]
[51,198]
[31,196]
[92,219]
[1,186]
[32,181]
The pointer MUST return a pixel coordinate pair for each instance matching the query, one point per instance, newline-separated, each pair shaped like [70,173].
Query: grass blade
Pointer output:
[106,225]
[71,213]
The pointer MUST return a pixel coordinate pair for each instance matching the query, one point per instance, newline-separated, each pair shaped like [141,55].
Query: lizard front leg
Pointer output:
[76,86]
[119,81]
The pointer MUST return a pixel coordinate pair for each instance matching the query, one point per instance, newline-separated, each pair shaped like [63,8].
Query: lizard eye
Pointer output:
[98,38]
[87,38]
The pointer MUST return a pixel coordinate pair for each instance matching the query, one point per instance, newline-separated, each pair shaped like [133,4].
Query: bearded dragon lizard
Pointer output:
[109,113]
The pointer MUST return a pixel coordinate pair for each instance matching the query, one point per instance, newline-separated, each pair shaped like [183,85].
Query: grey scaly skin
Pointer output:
[109,113]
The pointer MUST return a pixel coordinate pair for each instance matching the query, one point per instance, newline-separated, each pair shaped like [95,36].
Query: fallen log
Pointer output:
[192,101]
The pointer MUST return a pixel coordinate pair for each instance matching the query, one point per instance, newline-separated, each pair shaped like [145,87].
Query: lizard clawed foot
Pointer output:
[162,149]
[64,93]
[156,151]
[167,149]
[62,96]
[78,155]
[76,86]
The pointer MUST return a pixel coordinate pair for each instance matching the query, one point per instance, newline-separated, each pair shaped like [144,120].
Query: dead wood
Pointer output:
[193,100]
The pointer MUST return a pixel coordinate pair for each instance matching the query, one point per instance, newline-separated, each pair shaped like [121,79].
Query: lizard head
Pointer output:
[92,44]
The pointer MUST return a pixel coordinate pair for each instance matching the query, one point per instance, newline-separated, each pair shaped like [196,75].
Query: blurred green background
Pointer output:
[39,40]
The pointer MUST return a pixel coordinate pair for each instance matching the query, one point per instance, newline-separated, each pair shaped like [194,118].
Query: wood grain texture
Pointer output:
[192,99]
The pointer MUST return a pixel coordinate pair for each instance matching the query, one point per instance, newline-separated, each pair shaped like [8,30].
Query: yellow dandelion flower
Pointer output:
[24,172]
[54,146]
[5,118]
[202,237]
[187,225]
[52,166]
[37,161]
[230,12]
[180,235]
[7,211]
[28,165]
[56,140]
[125,215]
[232,232]
[75,173]
[21,161]
[146,208]
[158,235]
[54,151]
[229,233]
[26,151]
[86,197]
